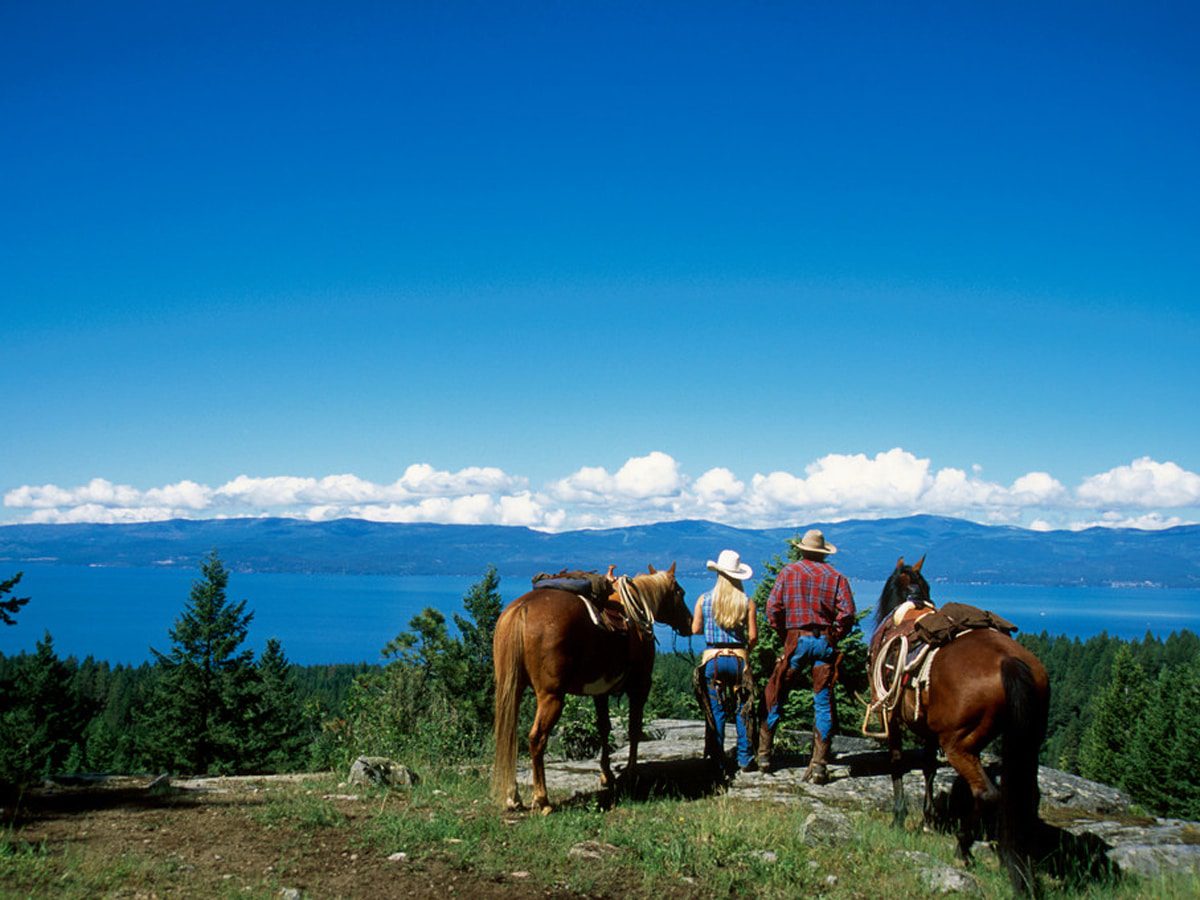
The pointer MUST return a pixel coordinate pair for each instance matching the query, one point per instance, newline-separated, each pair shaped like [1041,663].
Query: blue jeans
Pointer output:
[728,669]
[817,652]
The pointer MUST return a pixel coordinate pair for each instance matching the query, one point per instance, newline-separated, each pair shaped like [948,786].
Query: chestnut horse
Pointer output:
[547,640]
[982,684]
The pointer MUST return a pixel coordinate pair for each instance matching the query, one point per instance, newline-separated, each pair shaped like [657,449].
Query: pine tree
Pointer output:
[10,607]
[42,719]
[475,686]
[275,723]
[1104,753]
[195,721]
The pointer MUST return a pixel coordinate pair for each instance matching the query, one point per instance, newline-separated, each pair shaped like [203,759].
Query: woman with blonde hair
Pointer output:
[723,681]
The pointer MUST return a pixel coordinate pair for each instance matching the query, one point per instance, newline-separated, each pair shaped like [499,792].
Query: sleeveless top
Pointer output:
[714,634]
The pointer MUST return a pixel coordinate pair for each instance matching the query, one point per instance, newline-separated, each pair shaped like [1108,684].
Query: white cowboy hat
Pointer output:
[814,542]
[730,563]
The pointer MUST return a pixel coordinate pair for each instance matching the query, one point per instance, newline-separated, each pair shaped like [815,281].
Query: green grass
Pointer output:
[29,870]
[709,847]
[662,848]
[301,808]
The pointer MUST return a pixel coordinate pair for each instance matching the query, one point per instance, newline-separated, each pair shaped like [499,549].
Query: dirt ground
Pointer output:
[212,839]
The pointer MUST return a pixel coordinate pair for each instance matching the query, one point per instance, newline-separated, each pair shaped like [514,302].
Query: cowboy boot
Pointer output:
[817,772]
[766,739]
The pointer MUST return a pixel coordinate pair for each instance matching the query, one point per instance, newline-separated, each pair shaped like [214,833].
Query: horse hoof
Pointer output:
[547,809]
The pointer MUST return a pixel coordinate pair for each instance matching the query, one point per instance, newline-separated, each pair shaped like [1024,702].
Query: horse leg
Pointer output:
[896,759]
[549,709]
[603,729]
[983,792]
[637,704]
[929,769]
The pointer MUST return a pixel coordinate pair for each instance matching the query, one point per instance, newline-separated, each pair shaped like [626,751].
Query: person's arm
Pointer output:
[698,617]
[776,615]
[845,608]
[752,627]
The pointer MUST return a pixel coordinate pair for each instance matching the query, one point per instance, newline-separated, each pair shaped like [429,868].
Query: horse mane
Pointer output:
[889,598]
[654,584]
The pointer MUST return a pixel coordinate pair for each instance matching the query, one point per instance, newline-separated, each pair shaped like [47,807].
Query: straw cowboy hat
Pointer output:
[730,563]
[814,542]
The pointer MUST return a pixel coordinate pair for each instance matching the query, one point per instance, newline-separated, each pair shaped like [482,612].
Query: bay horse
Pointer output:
[981,684]
[548,640]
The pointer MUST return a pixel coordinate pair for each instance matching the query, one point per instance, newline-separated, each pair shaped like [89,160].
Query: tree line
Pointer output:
[1126,713]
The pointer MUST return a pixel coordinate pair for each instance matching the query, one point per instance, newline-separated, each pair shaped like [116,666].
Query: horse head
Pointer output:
[905,583]
[671,607]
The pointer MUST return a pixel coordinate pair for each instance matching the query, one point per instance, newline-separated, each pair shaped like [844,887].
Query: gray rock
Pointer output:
[1071,791]
[381,771]
[593,850]
[939,878]
[1153,860]
[826,826]
[767,856]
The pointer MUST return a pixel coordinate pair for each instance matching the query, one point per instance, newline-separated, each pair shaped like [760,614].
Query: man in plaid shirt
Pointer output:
[810,608]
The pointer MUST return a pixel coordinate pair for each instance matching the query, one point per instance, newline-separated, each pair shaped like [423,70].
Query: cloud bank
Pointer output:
[652,488]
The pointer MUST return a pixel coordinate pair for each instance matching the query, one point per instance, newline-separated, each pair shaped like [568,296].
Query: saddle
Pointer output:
[953,619]
[613,607]
[592,585]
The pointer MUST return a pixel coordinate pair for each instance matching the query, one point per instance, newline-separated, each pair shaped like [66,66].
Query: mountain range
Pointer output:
[957,551]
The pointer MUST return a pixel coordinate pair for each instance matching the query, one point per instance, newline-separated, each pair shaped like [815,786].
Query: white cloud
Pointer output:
[650,488]
[1143,482]
[655,476]
[1147,522]
[719,485]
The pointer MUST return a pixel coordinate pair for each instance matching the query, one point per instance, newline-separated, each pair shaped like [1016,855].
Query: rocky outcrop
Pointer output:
[1083,818]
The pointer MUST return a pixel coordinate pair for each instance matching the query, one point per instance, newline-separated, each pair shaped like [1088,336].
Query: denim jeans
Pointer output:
[728,668]
[817,652]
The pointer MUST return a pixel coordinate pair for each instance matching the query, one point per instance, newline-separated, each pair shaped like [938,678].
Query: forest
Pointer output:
[1126,713]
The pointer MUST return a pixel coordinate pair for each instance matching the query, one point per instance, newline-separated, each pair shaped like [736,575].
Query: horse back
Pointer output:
[564,652]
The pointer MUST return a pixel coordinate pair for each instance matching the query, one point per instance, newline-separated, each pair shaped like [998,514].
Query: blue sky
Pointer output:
[577,265]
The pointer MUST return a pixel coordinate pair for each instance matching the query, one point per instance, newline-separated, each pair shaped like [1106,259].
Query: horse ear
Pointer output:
[671,571]
[900,564]
[651,568]
[920,562]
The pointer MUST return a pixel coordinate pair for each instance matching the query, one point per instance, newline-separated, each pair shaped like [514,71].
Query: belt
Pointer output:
[814,630]
[740,652]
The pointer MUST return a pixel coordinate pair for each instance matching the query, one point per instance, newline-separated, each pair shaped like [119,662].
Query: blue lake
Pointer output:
[119,614]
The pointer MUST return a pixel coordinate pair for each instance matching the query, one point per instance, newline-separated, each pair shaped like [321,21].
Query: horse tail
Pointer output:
[1024,731]
[508,648]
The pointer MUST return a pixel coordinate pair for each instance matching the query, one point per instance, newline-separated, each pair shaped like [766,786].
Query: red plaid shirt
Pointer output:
[808,593]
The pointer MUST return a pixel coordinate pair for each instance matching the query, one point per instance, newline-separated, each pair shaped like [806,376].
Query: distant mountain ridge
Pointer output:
[958,551]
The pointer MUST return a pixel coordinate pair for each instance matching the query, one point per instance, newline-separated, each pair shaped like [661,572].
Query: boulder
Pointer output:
[382,772]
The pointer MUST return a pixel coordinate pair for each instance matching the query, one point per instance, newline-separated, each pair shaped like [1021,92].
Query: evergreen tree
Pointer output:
[474,683]
[275,724]
[1162,772]
[462,665]
[12,605]
[42,719]
[435,697]
[195,722]
[1106,744]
